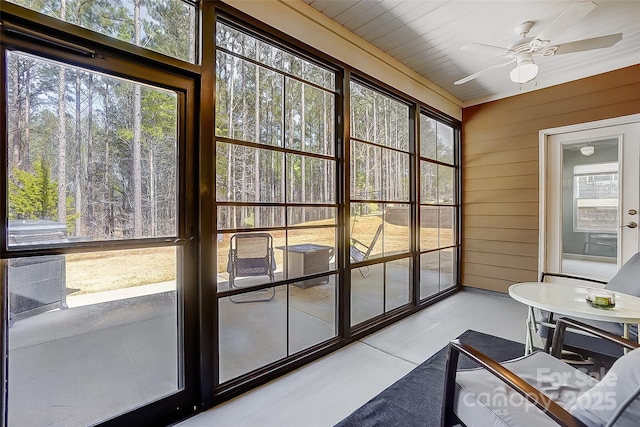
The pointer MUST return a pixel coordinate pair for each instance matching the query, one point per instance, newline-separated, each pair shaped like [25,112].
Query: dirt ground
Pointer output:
[101,271]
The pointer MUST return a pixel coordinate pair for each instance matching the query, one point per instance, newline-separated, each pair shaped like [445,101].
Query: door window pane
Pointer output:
[90,325]
[590,200]
[95,154]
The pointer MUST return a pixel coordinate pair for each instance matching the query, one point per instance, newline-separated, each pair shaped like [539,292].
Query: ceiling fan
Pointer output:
[523,51]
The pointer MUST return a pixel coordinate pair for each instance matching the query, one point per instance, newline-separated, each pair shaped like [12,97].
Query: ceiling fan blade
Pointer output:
[481,72]
[485,48]
[569,17]
[588,44]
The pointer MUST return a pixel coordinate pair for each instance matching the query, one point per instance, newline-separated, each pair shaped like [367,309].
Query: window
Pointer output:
[380,209]
[438,209]
[595,197]
[275,166]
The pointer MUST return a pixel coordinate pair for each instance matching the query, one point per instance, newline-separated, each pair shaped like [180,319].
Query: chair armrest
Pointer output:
[570,276]
[533,395]
[563,322]
[357,242]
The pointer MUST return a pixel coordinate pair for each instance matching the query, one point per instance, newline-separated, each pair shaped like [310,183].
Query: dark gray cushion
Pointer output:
[627,279]
[615,400]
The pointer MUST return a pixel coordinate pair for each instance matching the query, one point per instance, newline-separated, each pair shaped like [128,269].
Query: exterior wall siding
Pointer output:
[500,170]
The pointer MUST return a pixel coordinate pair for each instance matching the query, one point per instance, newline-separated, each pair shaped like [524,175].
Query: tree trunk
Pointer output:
[152,191]
[78,162]
[303,130]
[25,158]
[90,216]
[62,137]
[137,138]
[256,172]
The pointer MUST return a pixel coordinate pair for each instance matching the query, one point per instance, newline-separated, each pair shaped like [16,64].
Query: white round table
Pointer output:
[569,300]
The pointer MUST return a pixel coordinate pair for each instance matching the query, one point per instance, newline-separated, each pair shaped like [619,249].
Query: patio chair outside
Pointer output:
[359,251]
[251,255]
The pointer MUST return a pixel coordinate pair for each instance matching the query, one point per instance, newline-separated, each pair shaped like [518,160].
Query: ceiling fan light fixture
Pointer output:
[524,72]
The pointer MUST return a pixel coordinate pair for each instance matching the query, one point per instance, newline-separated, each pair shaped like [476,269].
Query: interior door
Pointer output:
[590,199]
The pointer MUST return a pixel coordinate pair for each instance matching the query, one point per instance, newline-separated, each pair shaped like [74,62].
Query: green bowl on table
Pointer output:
[600,298]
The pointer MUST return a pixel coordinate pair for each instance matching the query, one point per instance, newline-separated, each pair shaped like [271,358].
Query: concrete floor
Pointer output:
[327,390]
[78,366]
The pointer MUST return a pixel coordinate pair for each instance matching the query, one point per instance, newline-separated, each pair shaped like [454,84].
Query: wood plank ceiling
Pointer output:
[427,36]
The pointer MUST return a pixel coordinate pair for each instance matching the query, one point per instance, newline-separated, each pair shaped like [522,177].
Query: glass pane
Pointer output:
[367,293]
[248,46]
[307,251]
[366,173]
[366,231]
[446,221]
[446,184]
[97,158]
[590,200]
[429,228]
[166,26]
[429,274]
[87,322]
[428,182]
[447,268]
[250,217]
[310,118]
[398,288]
[428,137]
[247,174]
[248,101]
[436,140]
[312,314]
[252,335]
[320,215]
[395,176]
[396,229]
[310,180]
[444,146]
[379,119]
[436,227]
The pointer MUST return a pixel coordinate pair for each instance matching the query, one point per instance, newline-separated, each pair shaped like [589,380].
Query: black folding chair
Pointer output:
[251,254]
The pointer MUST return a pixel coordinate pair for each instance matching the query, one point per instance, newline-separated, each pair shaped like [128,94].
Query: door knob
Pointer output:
[630,225]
